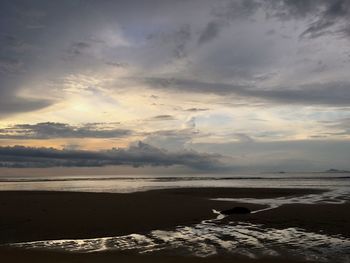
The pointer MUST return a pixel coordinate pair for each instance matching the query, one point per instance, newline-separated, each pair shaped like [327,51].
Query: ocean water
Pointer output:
[135,183]
[209,237]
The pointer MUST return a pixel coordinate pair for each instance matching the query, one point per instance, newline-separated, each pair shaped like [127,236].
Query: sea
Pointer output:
[209,237]
[136,183]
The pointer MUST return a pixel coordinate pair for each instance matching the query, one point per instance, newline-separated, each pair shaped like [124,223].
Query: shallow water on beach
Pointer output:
[217,237]
[210,238]
[332,196]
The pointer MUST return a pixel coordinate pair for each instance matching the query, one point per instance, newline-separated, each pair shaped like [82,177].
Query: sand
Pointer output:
[31,216]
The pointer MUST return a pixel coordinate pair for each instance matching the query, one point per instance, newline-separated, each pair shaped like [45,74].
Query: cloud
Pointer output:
[210,31]
[174,31]
[163,117]
[339,127]
[196,109]
[335,13]
[190,123]
[295,155]
[13,43]
[10,104]
[181,38]
[11,100]
[328,17]
[117,64]
[79,48]
[332,93]
[189,85]
[185,57]
[10,65]
[137,155]
[325,15]
[50,130]
[176,40]
[225,15]
[242,137]
[292,9]
[173,139]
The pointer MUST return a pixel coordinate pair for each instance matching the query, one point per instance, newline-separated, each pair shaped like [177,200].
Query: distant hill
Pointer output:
[336,171]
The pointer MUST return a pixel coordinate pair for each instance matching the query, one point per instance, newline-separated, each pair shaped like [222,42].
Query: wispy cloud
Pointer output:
[332,93]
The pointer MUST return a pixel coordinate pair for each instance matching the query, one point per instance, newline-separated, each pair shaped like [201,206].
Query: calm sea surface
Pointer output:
[134,183]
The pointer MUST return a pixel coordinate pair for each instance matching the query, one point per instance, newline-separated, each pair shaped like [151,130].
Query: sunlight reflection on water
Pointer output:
[133,183]
[211,237]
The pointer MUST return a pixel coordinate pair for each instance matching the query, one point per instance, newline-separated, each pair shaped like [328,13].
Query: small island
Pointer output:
[336,171]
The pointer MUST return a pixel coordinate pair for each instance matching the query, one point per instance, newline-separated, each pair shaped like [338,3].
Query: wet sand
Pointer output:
[31,216]
[11,255]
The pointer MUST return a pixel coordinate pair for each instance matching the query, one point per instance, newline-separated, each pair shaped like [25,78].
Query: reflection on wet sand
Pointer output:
[335,196]
[251,236]
[212,237]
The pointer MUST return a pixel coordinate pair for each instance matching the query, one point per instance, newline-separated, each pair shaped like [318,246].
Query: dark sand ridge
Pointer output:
[29,216]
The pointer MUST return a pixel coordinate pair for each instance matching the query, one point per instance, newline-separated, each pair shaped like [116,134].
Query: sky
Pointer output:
[208,85]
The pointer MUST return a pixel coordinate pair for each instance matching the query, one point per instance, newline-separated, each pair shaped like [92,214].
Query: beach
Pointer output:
[38,216]
[184,131]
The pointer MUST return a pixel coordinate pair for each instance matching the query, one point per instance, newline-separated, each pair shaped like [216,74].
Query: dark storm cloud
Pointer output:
[333,93]
[138,155]
[50,130]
